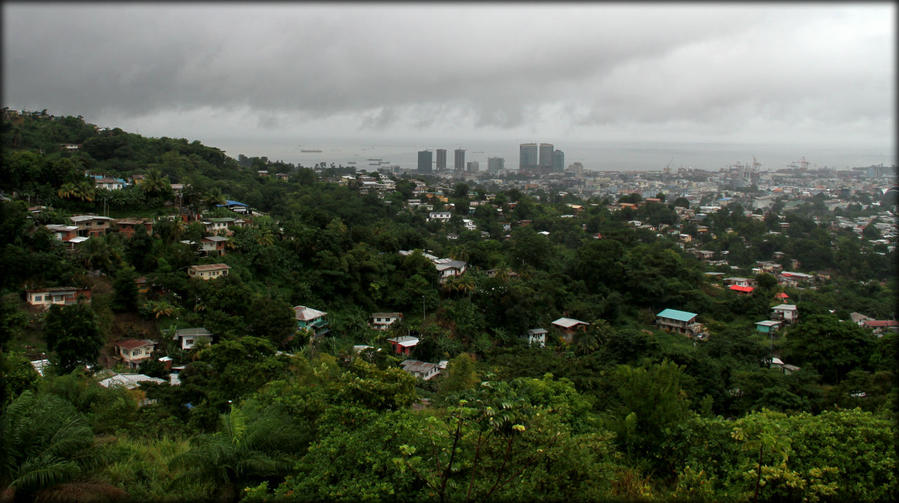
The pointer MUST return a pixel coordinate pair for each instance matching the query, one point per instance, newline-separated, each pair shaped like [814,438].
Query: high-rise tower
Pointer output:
[546,156]
[441,160]
[424,161]
[527,157]
[459,162]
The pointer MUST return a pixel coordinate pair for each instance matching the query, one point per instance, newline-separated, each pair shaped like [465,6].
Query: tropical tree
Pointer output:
[252,446]
[72,333]
[44,442]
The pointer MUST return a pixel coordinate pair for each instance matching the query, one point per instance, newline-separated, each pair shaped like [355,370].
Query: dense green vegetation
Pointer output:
[625,411]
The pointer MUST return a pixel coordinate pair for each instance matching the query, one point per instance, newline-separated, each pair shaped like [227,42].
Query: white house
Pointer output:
[191,337]
[536,337]
[442,216]
[383,321]
[785,312]
[420,369]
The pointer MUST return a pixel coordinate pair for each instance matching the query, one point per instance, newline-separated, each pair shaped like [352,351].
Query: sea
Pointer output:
[595,156]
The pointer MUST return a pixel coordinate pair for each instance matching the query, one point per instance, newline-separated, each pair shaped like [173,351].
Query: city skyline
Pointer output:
[812,77]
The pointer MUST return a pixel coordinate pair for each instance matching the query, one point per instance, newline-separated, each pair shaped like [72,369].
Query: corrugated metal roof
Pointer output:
[674,314]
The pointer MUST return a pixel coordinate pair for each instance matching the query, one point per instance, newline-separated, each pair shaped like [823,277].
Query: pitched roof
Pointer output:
[785,307]
[405,341]
[674,314]
[880,323]
[304,313]
[568,322]
[209,267]
[744,289]
[192,332]
[134,343]
[129,381]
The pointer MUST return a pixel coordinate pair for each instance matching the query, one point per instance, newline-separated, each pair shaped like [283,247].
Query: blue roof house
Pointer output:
[682,322]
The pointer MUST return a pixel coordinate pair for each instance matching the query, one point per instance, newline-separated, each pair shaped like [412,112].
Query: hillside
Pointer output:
[645,374]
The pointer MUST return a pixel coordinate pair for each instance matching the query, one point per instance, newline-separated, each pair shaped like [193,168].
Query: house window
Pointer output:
[38,298]
[136,352]
[189,342]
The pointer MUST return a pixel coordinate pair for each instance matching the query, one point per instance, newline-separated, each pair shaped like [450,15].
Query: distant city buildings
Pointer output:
[472,167]
[528,159]
[546,157]
[459,162]
[495,165]
[441,160]
[558,161]
[424,161]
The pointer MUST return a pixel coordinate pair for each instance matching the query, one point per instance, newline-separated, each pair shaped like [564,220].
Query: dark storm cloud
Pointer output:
[505,67]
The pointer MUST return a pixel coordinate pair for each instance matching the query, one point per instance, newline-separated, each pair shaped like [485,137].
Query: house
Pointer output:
[781,296]
[403,344]
[767,326]
[91,225]
[41,365]
[219,225]
[213,245]
[190,337]
[207,272]
[128,226]
[235,206]
[449,268]
[129,381]
[420,369]
[109,183]
[312,320]
[64,233]
[785,312]
[879,326]
[442,216]
[62,295]
[737,281]
[133,352]
[570,326]
[383,321]
[744,290]
[794,278]
[785,367]
[536,337]
[682,322]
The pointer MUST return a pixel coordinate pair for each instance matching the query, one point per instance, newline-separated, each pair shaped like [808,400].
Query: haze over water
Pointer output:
[599,156]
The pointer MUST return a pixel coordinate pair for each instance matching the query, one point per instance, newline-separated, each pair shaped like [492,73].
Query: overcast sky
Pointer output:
[239,75]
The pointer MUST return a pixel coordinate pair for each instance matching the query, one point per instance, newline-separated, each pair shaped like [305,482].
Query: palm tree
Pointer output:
[213,197]
[44,442]
[252,446]
[156,184]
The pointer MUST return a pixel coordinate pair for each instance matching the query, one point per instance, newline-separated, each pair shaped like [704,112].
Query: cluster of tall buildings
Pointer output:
[542,158]
[426,164]
[534,159]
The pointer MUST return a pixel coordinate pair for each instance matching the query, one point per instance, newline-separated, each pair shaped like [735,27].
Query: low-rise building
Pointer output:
[191,337]
[91,225]
[207,272]
[312,320]
[133,352]
[682,322]
[61,295]
[383,321]
[536,337]
[403,344]
[785,312]
[569,327]
[420,369]
[213,245]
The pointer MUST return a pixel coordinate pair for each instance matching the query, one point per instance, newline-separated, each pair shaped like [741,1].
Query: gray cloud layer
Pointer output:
[813,73]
